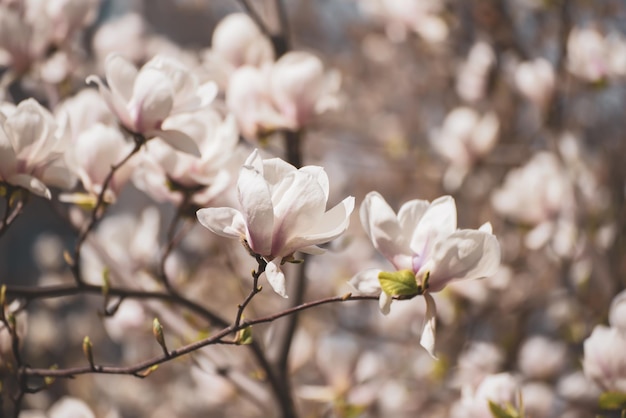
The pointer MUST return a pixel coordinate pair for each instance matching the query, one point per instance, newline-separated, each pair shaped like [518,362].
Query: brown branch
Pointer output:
[75,267]
[255,17]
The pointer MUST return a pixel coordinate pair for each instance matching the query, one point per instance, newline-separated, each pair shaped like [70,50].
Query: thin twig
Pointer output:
[262,264]
[75,267]
[256,17]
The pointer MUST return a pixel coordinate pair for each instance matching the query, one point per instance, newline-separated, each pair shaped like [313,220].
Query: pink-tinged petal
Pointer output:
[438,222]
[320,174]
[256,204]
[207,93]
[31,184]
[381,225]
[30,131]
[121,75]
[366,282]
[276,278]
[7,156]
[57,174]
[411,213]
[275,170]
[254,161]
[226,222]
[116,103]
[298,210]
[466,254]
[330,226]
[178,140]
[152,100]
[428,333]
[384,303]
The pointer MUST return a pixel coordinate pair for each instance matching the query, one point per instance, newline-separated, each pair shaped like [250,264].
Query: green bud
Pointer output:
[244,336]
[398,283]
[612,400]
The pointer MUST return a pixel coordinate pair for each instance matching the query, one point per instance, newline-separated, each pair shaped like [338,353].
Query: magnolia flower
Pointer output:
[536,81]
[617,312]
[69,16]
[31,151]
[473,74]
[465,136]
[23,39]
[594,57]
[91,157]
[301,89]
[143,99]
[124,35]
[604,360]
[237,41]
[501,389]
[283,210]
[428,252]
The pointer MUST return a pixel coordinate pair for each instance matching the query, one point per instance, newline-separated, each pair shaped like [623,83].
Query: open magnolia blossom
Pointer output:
[143,99]
[31,151]
[604,361]
[283,210]
[427,250]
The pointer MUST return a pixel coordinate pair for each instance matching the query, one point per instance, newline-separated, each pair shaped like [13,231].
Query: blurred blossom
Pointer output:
[81,111]
[403,16]
[423,240]
[23,37]
[237,41]
[539,400]
[286,95]
[31,151]
[542,358]
[143,99]
[91,157]
[604,361]
[501,389]
[129,320]
[617,313]
[123,36]
[594,57]
[6,342]
[479,360]
[283,210]
[69,16]
[465,136]
[576,388]
[473,74]
[536,81]
[125,244]
[539,194]
[68,407]
[168,174]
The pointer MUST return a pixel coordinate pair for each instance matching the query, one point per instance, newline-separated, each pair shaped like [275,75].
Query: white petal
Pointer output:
[439,221]
[30,131]
[226,222]
[152,100]
[120,75]
[381,225]
[466,254]
[31,184]
[207,92]
[410,214]
[115,103]
[384,303]
[179,141]
[256,204]
[7,156]
[428,333]
[320,174]
[275,170]
[331,225]
[366,282]
[276,278]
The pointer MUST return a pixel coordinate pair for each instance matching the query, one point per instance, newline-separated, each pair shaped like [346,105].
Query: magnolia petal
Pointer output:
[366,282]
[31,184]
[226,222]
[276,278]
[57,174]
[255,161]
[258,211]
[320,174]
[180,141]
[152,100]
[466,254]
[120,75]
[275,170]
[299,204]
[410,214]
[28,130]
[428,333]
[312,249]
[207,92]
[381,225]
[439,221]
[330,226]
[7,156]
[116,103]
[384,303]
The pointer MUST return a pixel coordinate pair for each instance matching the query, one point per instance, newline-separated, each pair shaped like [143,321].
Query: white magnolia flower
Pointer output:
[536,81]
[143,99]
[423,241]
[283,210]
[501,389]
[474,73]
[594,57]
[604,360]
[91,157]
[31,151]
